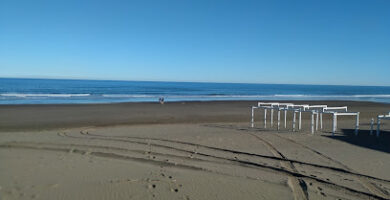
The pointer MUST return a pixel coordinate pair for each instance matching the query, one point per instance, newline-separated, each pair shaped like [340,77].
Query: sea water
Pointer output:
[55,91]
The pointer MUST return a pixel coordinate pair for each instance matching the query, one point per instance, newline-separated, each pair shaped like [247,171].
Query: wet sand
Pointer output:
[186,150]
[43,117]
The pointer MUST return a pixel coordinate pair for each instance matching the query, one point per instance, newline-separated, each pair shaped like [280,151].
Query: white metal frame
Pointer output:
[271,106]
[379,118]
[319,109]
[341,111]
[280,107]
[315,110]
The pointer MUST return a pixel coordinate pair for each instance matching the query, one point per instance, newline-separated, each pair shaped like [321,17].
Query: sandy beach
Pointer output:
[187,150]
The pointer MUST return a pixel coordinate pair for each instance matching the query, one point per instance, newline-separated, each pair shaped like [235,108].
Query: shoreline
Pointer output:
[54,116]
[189,101]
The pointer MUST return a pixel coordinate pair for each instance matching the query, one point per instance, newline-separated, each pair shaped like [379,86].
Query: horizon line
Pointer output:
[133,80]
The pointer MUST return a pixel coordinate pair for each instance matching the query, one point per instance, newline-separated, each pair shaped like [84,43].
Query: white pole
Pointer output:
[285,118]
[265,118]
[272,117]
[371,126]
[300,120]
[294,116]
[334,124]
[357,123]
[278,119]
[252,119]
[378,129]
[317,118]
[321,119]
[312,122]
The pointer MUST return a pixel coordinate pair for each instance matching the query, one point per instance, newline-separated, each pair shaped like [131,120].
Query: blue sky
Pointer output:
[301,42]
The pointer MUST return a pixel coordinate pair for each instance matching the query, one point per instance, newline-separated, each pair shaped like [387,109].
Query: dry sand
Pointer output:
[191,150]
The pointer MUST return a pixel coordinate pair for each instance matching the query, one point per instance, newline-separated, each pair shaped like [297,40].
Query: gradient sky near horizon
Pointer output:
[299,42]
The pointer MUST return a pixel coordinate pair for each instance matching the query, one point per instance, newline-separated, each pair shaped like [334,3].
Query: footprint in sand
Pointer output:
[174,190]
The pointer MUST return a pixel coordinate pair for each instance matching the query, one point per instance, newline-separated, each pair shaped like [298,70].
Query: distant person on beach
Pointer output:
[161,100]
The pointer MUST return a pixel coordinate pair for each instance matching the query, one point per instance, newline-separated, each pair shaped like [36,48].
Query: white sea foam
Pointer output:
[181,96]
[22,95]
[129,96]
[335,96]
[247,96]
[290,95]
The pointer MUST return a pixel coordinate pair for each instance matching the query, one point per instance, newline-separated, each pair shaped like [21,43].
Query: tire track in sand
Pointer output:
[114,156]
[363,180]
[339,170]
[297,185]
[278,170]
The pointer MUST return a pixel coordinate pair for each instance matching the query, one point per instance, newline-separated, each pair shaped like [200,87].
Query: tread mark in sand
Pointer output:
[279,170]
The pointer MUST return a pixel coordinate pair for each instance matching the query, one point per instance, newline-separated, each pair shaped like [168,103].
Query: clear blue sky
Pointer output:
[308,42]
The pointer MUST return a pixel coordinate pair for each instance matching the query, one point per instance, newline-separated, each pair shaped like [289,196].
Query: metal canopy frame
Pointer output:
[315,110]
[379,119]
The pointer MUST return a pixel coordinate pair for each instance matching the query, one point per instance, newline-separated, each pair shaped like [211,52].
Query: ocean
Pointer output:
[56,91]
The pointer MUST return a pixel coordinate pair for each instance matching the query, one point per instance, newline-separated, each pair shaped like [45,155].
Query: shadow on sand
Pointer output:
[364,139]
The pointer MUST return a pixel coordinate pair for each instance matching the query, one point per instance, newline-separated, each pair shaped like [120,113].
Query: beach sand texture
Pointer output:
[186,150]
